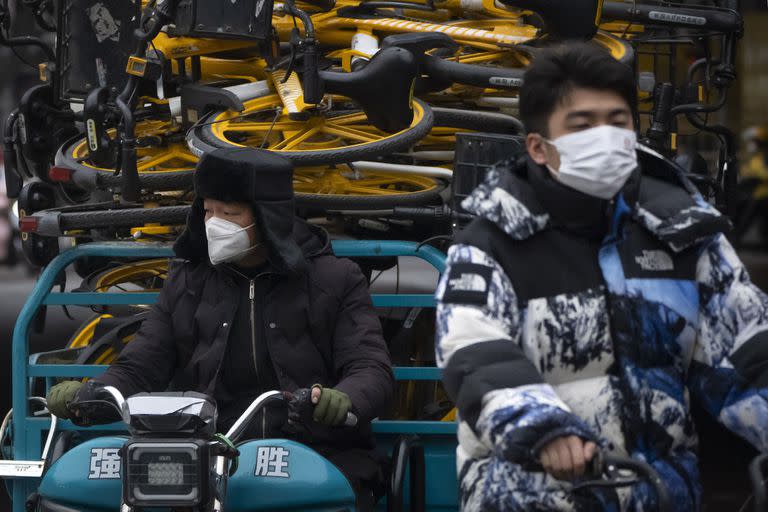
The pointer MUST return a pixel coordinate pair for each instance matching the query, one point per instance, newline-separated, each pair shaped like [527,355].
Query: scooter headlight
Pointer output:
[166,473]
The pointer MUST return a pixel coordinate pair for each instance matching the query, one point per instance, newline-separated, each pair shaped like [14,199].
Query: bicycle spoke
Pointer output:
[348,133]
[349,118]
[372,191]
[251,126]
[296,139]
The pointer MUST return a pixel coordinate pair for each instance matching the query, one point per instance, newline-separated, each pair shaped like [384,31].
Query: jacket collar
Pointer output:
[508,201]
[520,198]
[671,207]
[685,227]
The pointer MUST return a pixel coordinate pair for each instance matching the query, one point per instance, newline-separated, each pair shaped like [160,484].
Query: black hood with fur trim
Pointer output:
[265,181]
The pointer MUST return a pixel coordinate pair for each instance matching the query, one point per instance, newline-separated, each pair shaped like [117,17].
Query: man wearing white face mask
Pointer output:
[257,301]
[593,297]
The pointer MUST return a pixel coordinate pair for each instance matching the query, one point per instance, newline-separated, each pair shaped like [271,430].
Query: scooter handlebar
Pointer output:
[351,420]
[605,470]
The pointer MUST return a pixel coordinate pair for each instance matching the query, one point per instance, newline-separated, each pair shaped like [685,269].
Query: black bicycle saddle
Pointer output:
[564,19]
[382,88]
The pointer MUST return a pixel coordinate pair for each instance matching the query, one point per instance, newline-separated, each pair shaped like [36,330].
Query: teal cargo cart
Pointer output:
[273,474]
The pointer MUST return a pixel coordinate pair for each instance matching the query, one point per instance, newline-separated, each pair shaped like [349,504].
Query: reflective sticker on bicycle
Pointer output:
[180,50]
[471,5]
[505,82]
[22,124]
[105,464]
[677,18]
[259,7]
[272,461]
[92,141]
[289,92]
[104,25]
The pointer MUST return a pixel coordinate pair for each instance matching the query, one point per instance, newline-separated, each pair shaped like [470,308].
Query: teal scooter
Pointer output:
[174,460]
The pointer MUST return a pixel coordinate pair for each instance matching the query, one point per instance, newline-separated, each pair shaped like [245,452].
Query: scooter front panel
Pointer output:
[87,477]
[278,474]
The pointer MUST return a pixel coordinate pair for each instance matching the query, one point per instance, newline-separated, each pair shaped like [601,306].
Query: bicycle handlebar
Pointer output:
[470,74]
[721,20]
[444,70]
[610,465]
[757,475]
[606,471]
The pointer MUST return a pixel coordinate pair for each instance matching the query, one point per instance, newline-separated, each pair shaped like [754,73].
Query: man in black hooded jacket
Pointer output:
[257,301]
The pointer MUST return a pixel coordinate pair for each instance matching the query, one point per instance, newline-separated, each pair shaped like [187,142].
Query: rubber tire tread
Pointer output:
[123,217]
[158,182]
[493,122]
[352,202]
[162,181]
[203,140]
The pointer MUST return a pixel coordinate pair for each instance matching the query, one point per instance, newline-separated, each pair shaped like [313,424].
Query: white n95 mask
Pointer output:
[227,241]
[597,161]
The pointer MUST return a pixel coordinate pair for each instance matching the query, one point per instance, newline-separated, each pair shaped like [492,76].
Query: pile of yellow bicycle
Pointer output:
[364,97]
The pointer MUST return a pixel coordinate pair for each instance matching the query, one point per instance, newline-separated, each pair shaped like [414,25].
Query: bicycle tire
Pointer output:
[131,272]
[201,140]
[359,202]
[123,217]
[93,178]
[475,120]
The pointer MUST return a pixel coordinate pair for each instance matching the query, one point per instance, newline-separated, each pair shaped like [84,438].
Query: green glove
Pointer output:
[60,396]
[332,407]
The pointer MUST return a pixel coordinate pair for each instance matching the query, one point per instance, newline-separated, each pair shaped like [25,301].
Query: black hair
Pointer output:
[556,71]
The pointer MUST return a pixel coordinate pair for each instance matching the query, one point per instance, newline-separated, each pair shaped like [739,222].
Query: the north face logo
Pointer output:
[468,283]
[658,261]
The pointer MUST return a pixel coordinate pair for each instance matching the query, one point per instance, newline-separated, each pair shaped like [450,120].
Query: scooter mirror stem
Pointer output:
[242,422]
[117,396]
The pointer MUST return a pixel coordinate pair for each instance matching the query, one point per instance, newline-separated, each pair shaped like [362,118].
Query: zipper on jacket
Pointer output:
[251,296]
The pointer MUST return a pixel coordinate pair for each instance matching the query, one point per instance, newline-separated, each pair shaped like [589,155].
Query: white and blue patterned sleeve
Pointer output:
[729,370]
[498,391]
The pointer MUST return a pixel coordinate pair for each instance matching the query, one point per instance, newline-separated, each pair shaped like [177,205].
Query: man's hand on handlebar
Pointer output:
[324,406]
[566,458]
[331,405]
[82,403]
[60,396]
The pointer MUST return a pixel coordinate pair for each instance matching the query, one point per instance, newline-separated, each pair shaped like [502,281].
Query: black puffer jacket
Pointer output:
[317,320]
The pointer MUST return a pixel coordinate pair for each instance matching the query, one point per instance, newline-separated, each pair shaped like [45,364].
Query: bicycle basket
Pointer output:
[237,19]
[94,42]
[475,154]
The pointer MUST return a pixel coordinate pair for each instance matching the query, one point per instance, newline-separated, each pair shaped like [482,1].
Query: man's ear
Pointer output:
[535,145]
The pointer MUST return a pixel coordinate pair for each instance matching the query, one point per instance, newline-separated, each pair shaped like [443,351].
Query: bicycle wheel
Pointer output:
[118,218]
[135,276]
[345,188]
[164,162]
[438,147]
[101,338]
[334,136]
[477,120]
